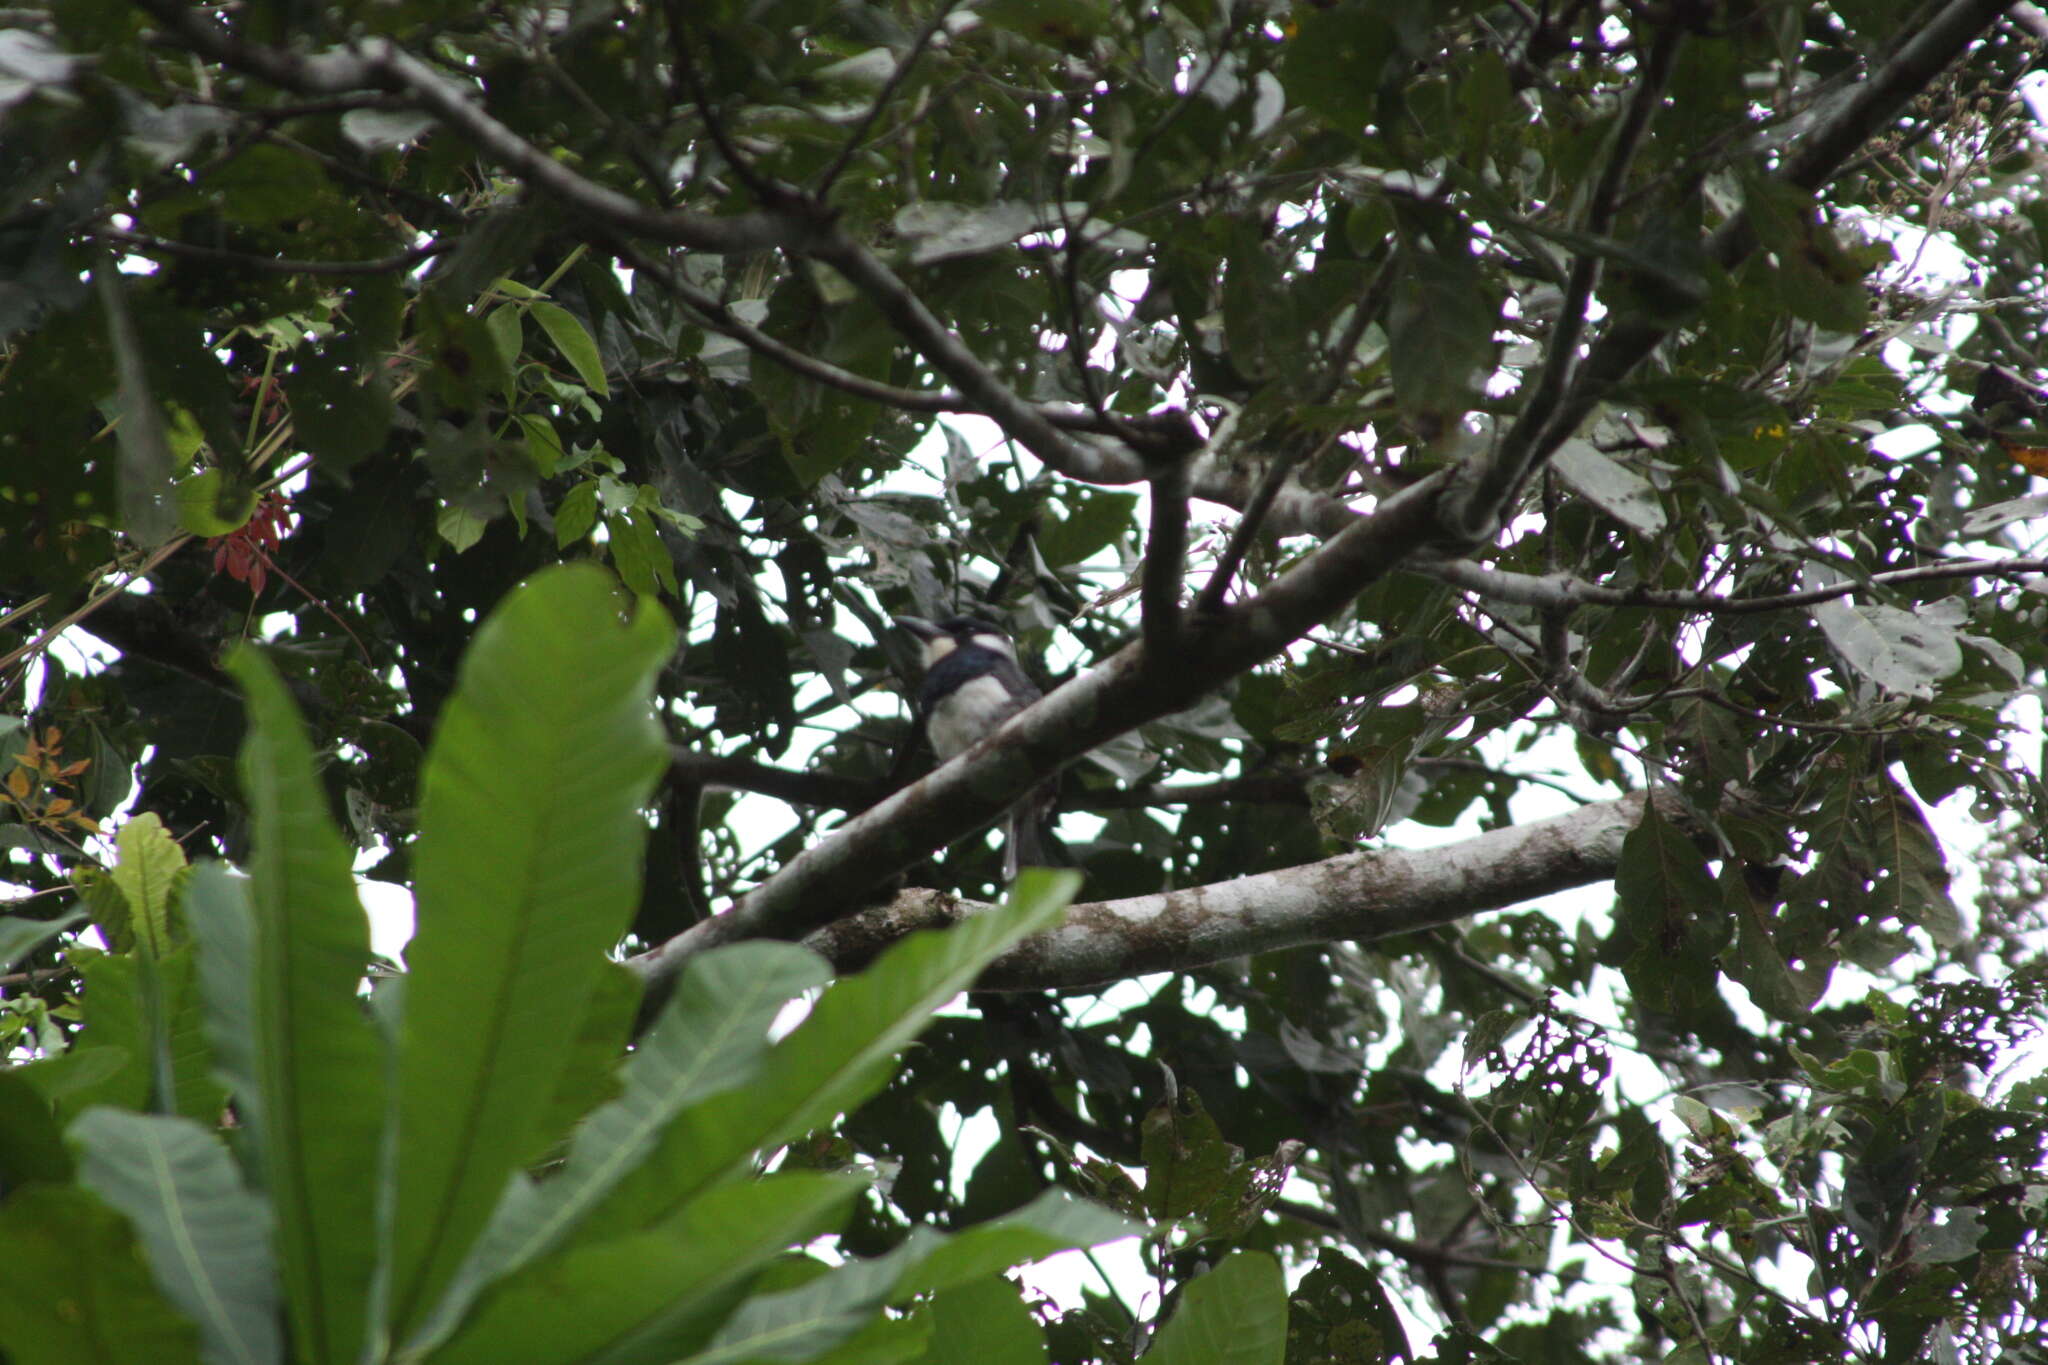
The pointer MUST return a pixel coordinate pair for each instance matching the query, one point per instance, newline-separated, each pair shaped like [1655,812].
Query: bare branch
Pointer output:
[1563,591]
[1357,896]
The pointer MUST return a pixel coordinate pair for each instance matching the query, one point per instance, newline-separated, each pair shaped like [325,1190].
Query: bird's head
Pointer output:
[941,638]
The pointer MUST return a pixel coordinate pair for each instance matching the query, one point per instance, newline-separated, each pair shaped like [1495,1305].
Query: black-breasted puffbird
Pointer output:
[972,684]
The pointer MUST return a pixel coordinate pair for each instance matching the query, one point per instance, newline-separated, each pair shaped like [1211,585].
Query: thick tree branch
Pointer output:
[1564,591]
[1166,553]
[1357,896]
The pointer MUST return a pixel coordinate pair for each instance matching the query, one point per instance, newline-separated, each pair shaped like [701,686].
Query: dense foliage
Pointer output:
[1383,419]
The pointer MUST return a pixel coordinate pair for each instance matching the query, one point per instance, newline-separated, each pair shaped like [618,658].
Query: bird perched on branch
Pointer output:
[972,684]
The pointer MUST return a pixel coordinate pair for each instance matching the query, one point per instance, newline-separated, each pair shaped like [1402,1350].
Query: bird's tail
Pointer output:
[1029,840]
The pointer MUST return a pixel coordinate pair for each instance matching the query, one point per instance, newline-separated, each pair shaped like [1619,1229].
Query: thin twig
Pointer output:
[271,265]
[1281,468]
[763,189]
[858,135]
[1497,476]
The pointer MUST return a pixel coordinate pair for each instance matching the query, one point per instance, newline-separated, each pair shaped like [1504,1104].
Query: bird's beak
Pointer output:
[918,626]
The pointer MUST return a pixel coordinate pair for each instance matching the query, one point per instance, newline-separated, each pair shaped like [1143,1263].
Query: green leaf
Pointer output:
[829,1310]
[1333,63]
[1901,651]
[1914,878]
[1234,1315]
[504,328]
[90,1073]
[1054,1221]
[149,871]
[576,514]
[77,1292]
[283,967]
[984,1321]
[147,463]
[460,526]
[1440,328]
[1614,488]
[1341,1309]
[341,421]
[650,1296]
[936,231]
[31,1143]
[20,936]
[638,554]
[1668,917]
[573,341]
[527,871]
[841,1054]
[712,1036]
[207,506]
[207,1237]
[1094,521]
[590,1078]
[1760,966]
[152,1009]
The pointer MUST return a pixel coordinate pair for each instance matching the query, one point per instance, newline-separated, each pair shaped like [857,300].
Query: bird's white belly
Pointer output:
[973,709]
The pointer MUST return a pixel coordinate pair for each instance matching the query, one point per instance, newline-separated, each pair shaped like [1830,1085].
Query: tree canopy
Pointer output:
[1433,455]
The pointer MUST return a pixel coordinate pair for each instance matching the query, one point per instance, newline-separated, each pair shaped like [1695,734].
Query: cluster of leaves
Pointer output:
[1345,235]
[646,1233]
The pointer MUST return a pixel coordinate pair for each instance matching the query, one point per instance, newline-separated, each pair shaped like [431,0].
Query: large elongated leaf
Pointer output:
[207,1236]
[651,1297]
[650,1293]
[842,1053]
[154,1010]
[800,1323]
[712,1036]
[528,867]
[282,965]
[76,1291]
